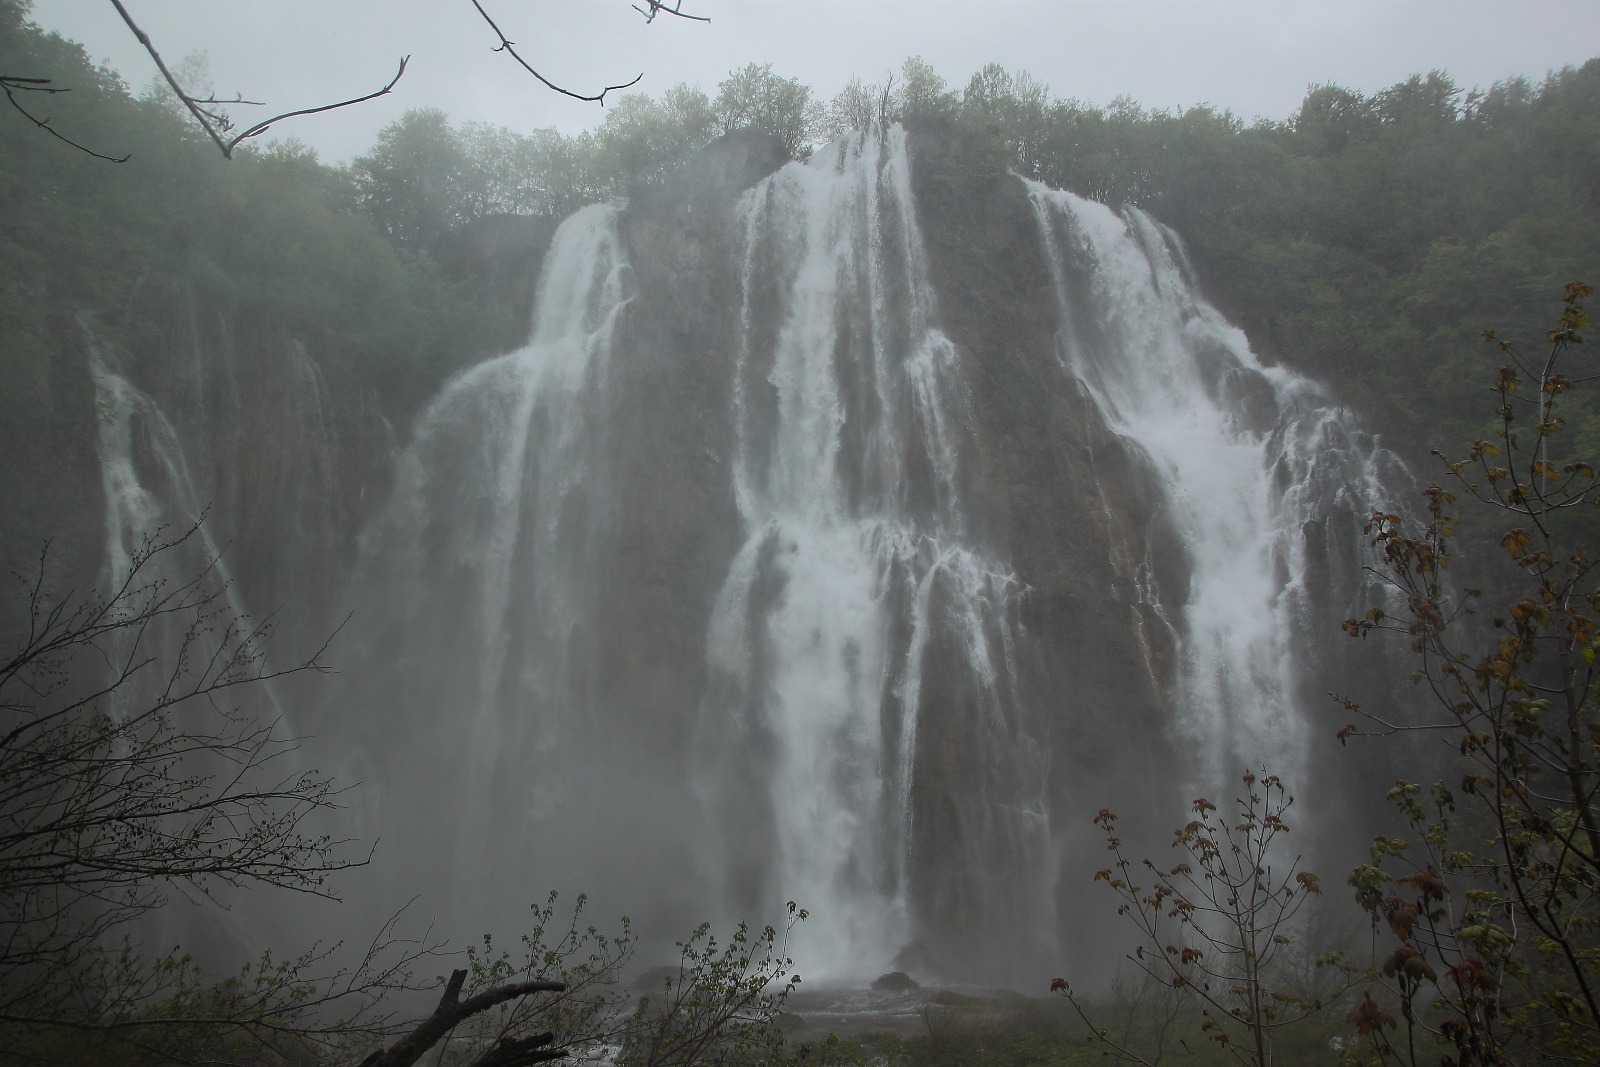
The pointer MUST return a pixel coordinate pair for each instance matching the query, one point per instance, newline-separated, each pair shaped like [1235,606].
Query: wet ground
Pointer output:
[812,1014]
[815,1013]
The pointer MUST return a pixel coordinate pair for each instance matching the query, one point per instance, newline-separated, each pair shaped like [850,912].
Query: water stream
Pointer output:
[1247,456]
[857,566]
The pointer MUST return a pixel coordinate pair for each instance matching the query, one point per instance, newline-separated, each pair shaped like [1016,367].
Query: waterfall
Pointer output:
[1250,457]
[764,572]
[135,433]
[151,497]
[164,464]
[855,602]
[477,641]
[858,565]
[501,473]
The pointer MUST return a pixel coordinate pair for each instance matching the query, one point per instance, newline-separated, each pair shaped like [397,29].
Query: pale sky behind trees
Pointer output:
[1255,57]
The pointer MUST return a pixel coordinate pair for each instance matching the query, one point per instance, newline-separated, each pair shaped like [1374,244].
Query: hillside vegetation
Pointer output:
[1365,240]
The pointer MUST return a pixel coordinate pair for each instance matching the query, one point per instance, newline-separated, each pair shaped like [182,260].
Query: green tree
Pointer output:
[1497,911]
[1212,925]
[644,140]
[755,98]
[921,95]
[416,182]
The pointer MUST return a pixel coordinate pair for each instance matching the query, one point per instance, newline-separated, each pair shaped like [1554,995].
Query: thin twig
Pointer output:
[657,7]
[261,127]
[506,47]
[209,121]
[9,84]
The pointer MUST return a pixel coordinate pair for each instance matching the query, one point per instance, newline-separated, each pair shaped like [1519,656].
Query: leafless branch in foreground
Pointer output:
[453,1011]
[216,124]
[122,770]
[11,84]
[506,45]
[660,7]
[207,110]
[650,11]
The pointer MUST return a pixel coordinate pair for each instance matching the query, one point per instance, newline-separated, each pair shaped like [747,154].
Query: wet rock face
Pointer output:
[50,480]
[1073,507]
[288,468]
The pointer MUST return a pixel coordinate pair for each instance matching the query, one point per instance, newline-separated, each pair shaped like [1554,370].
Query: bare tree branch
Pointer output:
[659,7]
[121,772]
[262,127]
[452,1011]
[217,125]
[506,46]
[11,84]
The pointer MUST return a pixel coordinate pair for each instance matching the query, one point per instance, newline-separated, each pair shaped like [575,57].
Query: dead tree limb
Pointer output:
[506,45]
[218,126]
[660,7]
[123,770]
[12,84]
[651,9]
[215,123]
[453,1011]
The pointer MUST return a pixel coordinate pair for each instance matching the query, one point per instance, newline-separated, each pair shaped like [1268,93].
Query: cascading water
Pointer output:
[711,605]
[486,636]
[155,515]
[858,565]
[139,502]
[499,472]
[1248,455]
[479,581]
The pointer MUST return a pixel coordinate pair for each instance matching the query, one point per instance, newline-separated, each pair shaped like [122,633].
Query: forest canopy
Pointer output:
[1365,240]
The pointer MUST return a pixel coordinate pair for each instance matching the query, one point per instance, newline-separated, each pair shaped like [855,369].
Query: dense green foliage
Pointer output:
[425,179]
[272,241]
[1365,240]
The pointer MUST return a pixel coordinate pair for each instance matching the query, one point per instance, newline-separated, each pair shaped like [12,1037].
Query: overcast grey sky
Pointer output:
[1253,56]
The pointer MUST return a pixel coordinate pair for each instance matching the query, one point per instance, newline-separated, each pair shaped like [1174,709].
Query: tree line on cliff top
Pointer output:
[1363,239]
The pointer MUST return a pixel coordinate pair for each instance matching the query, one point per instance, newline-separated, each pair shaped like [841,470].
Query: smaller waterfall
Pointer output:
[259,463]
[1252,458]
[501,473]
[263,474]
[143,470]
[475,640]
[151,496]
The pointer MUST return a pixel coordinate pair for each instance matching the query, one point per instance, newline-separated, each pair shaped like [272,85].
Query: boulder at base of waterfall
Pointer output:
[894,982]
